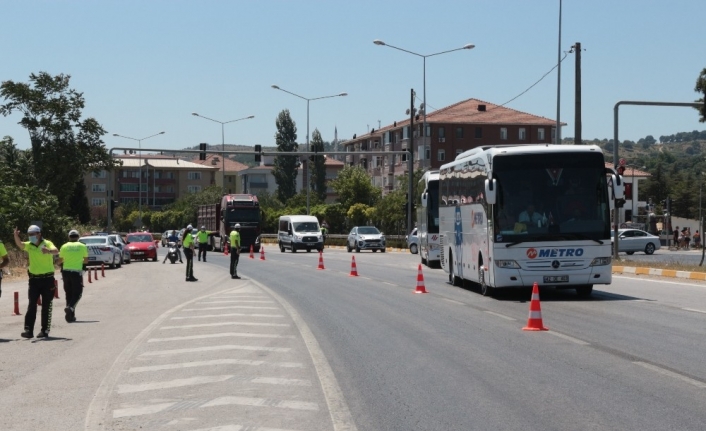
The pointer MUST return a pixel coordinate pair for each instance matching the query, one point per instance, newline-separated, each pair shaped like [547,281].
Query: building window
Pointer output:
[404,157]
[441,155]
[129,187]
[459,132]
[194,176]
[169,175]
[100,174]
[193,189]
[427,153]
[540,134]
[479,132]
[385,160]
[170,189]
[503,133]
[97,187]
[96,202]
[522,135]
[442,132]
[428,131]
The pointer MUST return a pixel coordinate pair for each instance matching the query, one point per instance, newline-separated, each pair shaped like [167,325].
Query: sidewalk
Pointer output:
[690,275]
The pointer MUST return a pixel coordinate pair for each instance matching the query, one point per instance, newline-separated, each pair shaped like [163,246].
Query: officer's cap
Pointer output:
[237,226]
[203,227]
[189,227]
[34,229]
[73,232]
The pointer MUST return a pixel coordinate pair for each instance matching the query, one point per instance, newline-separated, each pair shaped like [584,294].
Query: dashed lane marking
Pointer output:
[694,310]
[222,334]
[207,325]
[453,301]
[502,316]
[215,348]
[231,307]
[672,374]
[226,301]
[569,338]
[227,315]
[213,362]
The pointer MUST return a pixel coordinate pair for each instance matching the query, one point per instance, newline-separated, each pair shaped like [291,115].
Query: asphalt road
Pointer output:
[293,347]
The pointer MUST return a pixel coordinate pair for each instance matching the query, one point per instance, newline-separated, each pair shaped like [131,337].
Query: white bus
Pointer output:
[491,237]
[428,218]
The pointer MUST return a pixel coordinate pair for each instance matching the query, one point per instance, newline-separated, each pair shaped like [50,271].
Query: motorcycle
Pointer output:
[172,252]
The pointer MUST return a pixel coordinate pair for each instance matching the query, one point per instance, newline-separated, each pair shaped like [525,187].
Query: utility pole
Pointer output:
[577,109]
[410,163]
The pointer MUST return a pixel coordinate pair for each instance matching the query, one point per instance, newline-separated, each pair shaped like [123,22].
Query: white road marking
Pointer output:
[225,301]
[668,373]
[453,301]
[502,316]
[388,283]
[203,380]
[142,410]
[234,427]
[215,348]
[213,362]
[230,307]
[694,310]
[262,402]
[207,325]
[222,334]
[228,315]
[569,338]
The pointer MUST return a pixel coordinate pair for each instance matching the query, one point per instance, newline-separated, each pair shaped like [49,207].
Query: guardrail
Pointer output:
[394,241]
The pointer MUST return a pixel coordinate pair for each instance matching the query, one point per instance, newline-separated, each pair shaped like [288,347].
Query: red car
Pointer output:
[141,246]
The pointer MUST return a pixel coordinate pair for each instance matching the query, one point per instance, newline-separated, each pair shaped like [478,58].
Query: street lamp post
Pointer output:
[306,176]
[139,190]
[424,74]
[223,144]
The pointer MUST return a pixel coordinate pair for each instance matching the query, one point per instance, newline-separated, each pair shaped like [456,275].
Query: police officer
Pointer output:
[324,232]
[187,241]
[73,256]
[234,250]
[4,261]
[203,241]
[41,254]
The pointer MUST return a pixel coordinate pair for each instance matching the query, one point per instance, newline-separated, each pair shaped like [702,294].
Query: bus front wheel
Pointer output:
[485,290]
[453,280]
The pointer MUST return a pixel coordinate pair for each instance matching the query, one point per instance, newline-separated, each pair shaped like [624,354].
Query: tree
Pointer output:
[285,167]
[79,202]
[353,186]
[15,165]
[317,166]
[701,88]
[63,146]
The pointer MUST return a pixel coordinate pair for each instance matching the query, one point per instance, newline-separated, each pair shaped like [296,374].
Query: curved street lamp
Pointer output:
[223,144]
[306,179]
[424,57]
[139,146]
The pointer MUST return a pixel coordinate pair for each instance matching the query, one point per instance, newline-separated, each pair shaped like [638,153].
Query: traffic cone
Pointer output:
[262,252]
[103,270]
[354,269]
[251,255]
[56,289]
[16,312]
[321,261]
[95,273]
[89,276]
[420,281]
[534,322]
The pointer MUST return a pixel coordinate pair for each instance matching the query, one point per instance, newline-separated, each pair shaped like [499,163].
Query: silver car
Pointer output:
[413,241]
[102,250]
[632,240]
[122,245]
[365,238]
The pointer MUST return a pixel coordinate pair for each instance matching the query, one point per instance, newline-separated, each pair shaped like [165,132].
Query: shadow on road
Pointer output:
[524,294]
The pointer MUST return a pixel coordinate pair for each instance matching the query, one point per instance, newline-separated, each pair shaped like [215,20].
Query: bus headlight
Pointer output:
[507,264]
[601,261]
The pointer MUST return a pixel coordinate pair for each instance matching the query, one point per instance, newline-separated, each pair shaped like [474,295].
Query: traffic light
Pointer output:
[258,150]
[202,154]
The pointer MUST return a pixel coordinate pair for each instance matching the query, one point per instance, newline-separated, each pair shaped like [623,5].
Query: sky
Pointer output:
[145,66]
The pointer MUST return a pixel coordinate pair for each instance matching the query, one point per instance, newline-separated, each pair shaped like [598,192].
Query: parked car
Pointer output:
[102,250]
[365,238]
[632,240]
[412,241]
[142,246]
[122,245]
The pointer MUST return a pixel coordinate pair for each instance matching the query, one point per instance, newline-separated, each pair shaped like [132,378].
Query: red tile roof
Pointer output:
[230,165]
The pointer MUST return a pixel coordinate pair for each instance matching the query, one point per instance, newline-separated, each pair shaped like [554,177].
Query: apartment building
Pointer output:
[232,172]
[449,131]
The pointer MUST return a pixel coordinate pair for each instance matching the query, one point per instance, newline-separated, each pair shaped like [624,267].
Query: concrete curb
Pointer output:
[660,272]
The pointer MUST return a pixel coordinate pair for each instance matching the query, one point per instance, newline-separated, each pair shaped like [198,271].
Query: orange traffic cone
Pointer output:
[534,322]
[95,273]
[321,261]
[16,312]
[420,281]
[103,270]
[354,270]
[262,252]
[225,249]
[56,289]
[89,276]
[251,255]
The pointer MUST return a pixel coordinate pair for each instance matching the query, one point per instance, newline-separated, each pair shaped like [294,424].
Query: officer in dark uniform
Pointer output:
[41,254]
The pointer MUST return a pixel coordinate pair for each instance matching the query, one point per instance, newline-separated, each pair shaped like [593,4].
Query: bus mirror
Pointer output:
[490,189]
[424,199]
[618,187]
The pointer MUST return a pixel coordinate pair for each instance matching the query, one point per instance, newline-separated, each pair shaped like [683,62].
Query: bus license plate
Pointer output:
[556,278]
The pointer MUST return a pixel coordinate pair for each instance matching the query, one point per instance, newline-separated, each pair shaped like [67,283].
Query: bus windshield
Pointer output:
[551,197]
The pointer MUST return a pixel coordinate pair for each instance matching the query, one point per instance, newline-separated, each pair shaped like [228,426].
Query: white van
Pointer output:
[299,232]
